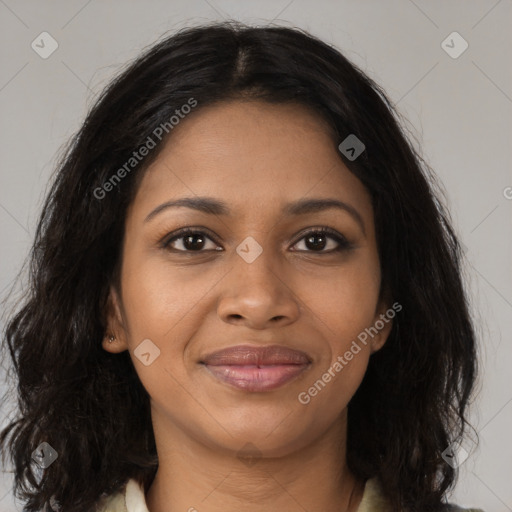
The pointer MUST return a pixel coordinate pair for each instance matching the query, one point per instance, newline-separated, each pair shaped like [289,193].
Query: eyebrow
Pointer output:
[213,206]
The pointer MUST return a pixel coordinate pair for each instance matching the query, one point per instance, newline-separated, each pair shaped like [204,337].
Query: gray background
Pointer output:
[458,109]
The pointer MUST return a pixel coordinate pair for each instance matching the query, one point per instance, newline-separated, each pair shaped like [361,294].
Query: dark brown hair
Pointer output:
[90,406]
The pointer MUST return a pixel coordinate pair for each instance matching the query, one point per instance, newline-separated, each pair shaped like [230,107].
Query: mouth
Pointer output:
[256,369]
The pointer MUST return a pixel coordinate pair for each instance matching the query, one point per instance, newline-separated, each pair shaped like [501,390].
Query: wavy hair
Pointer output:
[90,405]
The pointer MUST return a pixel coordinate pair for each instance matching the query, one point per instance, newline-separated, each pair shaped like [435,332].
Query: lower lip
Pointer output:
[253,378]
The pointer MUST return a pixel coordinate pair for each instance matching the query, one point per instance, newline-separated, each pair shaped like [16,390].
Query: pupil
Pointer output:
[316,245]
[192,245]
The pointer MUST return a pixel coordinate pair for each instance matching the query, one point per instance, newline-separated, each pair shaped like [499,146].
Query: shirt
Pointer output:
[132,499]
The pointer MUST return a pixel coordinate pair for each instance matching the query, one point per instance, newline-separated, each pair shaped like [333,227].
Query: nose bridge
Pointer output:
[256,290]
[255,263]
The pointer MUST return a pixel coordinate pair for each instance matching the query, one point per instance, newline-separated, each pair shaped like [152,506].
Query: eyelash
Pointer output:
[343,243]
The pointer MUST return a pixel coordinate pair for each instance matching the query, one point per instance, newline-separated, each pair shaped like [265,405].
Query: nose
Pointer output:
[257,295]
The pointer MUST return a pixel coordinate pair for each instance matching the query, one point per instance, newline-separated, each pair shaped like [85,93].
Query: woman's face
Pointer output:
[253,277]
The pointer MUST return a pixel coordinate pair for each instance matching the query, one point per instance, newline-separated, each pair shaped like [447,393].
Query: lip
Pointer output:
[256,368]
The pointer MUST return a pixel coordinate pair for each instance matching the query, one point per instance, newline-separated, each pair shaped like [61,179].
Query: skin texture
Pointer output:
[255,157]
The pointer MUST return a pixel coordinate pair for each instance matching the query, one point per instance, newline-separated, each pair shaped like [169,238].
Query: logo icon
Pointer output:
[44,455]
[351,147]
[249,249]
[146,352]
[454,45]
[455,455]
[44,45]
[249,454]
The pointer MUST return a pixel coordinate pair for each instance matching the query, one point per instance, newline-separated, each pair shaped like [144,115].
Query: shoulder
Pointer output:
[113,503]
[129,499]
[373,498]
[374,501]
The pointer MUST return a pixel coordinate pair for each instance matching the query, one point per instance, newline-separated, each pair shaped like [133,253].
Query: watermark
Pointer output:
[44,455]
[249,249]
[454,45]
[249,454]
[458,451]
[44,45]
[351,147]
[507,192]
[137,156]
[455,455]
[304,397]
[146,352]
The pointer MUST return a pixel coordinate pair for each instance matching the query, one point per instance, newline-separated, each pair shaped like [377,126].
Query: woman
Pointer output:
[245,294]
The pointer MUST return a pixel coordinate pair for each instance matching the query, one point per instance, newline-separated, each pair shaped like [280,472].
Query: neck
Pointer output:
[194,477]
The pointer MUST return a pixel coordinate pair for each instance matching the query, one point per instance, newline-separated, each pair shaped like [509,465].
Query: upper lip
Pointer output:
[250,355]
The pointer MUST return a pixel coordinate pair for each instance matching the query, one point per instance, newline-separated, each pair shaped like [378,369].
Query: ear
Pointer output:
[383,322]
[115,324]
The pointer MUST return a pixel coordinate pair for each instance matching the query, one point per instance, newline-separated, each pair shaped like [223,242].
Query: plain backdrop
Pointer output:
[459,109]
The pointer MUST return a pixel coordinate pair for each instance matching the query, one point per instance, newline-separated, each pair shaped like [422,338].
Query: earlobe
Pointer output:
[111,344]
[383,322]
[380,340]
[114,339]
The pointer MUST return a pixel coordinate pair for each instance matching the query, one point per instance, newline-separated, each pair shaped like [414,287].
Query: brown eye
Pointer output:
[320,239]
[190,241]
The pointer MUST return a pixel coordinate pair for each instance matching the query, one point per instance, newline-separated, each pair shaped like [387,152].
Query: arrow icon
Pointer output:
[249,454]
[351,147]
[44,45]
[454,455]
[147,352]
[249,252]
[44,455]
[454,45]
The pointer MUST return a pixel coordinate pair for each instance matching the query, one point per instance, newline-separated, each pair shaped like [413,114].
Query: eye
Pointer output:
[316,240]
[189,240]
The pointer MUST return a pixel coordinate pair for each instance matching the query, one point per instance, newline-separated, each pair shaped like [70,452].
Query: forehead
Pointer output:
[251,154]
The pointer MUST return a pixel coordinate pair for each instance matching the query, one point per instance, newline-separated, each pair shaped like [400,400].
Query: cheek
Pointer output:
[330,390]
[347,301]
[159,298]
[346,309]
[343,307]
[164,304]
[161,309]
